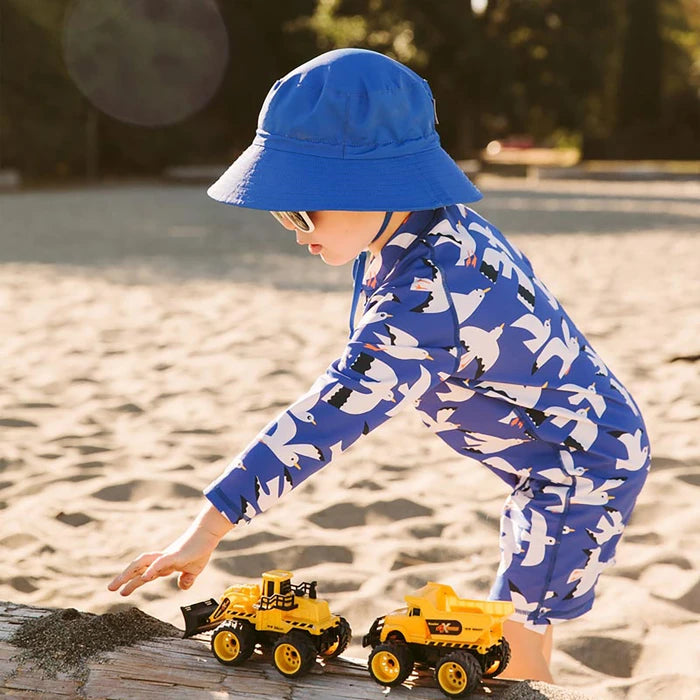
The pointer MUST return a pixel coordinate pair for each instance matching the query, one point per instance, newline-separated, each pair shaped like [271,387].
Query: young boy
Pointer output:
[451,318]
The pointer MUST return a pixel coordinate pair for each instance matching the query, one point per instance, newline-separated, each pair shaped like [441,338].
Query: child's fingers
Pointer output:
[137,567]
[185,581]
[163,566]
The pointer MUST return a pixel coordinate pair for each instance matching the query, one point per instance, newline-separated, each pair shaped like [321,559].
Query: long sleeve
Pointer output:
[385,366]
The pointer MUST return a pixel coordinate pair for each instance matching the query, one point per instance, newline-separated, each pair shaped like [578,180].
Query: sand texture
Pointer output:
[147,334]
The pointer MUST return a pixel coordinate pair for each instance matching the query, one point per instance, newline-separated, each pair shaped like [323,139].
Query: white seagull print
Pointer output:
[512,419]
[584,432]
[587,576]
[399,345]
[585,493]
[608,526]
[460,238]
[508,543]
[548,295]
[455,392]
[437,300]
[636,454]
[301,409]
[497,262]
[540,330]
[273,490]
[600,369]
[402,240]
[479,345]
[630,401]
[520,394]
[539,540]
[466,304]
[488,444]
[467,248]
[503,465]
[441,423]
[413,393]
[566,350]
[589,394]
[285,451]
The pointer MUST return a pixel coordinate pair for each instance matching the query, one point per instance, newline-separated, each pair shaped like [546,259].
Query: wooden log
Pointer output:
[186,669]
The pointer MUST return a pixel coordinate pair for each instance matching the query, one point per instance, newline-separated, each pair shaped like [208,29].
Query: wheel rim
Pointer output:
[226,646]
[495,665]
[331,649]
[452,677]
[386,667]
[287,658]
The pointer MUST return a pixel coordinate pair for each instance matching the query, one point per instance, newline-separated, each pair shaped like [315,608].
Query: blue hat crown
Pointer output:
[350,130]
[349,103]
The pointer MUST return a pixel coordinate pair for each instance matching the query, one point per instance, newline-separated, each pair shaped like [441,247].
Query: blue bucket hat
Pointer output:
[350,130]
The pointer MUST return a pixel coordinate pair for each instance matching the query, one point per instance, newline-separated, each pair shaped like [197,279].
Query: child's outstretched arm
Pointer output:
[188,554]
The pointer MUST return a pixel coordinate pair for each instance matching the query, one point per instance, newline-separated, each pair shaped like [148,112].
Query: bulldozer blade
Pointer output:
[197,617]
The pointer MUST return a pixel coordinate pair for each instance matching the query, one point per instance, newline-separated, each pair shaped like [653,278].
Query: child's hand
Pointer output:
[188,554]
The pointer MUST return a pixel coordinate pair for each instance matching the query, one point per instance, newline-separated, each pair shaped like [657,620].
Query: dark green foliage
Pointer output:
[619,74]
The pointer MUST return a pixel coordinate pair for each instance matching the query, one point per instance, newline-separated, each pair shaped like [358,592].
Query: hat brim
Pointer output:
[276,180]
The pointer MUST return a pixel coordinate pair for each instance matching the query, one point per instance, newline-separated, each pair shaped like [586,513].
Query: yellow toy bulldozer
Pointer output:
[290,620]
[461,639]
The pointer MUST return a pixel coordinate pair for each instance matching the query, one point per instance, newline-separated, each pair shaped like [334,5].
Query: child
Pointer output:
[452,319]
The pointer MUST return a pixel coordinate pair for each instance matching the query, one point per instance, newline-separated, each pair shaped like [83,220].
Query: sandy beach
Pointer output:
[148,333]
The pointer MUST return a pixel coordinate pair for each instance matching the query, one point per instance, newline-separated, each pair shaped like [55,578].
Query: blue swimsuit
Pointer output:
[455,322]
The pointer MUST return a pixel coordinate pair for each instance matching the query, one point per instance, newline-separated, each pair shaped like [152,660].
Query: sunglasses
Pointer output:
[299,219]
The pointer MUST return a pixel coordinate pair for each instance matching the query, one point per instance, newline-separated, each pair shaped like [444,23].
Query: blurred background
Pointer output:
[147,333]
[98,88]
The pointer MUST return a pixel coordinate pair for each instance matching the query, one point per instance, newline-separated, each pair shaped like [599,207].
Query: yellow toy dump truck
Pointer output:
[290,620]
[461,639]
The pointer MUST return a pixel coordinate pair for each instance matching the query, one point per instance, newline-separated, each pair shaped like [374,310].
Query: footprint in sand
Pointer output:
[127,408]
[17,423]
[690,600]
[23,584]
[343,515]
[74,519]
[35,404]
[339,516]
[289,558]
[613,657]
[428,555]
[659,463]
[249,541]
[692,478]
[137,489]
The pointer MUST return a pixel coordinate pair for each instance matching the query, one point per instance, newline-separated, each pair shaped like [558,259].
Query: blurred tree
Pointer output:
[41,114]
[640,80]
[623,75]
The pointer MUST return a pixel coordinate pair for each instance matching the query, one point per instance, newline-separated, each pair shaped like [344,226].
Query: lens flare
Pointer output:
[146,62]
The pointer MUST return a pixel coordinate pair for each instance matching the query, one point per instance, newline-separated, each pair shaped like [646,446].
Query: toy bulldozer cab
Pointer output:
[290,620]
[277,593]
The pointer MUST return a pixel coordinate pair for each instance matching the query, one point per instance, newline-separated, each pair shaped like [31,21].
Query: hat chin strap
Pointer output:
[385,223]
[358,272]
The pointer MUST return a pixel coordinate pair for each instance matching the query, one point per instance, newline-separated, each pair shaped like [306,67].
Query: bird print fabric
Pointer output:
[455,322]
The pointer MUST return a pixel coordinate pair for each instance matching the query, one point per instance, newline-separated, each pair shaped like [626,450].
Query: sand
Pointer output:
[147,334]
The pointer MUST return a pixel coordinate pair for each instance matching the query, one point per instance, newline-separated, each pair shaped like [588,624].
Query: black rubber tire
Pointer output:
[499,653]
[244,635]
[468,674]
[342,637]
[401,659]
[302,654]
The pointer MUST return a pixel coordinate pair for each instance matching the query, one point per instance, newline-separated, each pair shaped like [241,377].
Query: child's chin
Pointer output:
[333,260]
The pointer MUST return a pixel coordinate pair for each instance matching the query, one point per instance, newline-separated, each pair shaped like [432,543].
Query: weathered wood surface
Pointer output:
[185,668]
